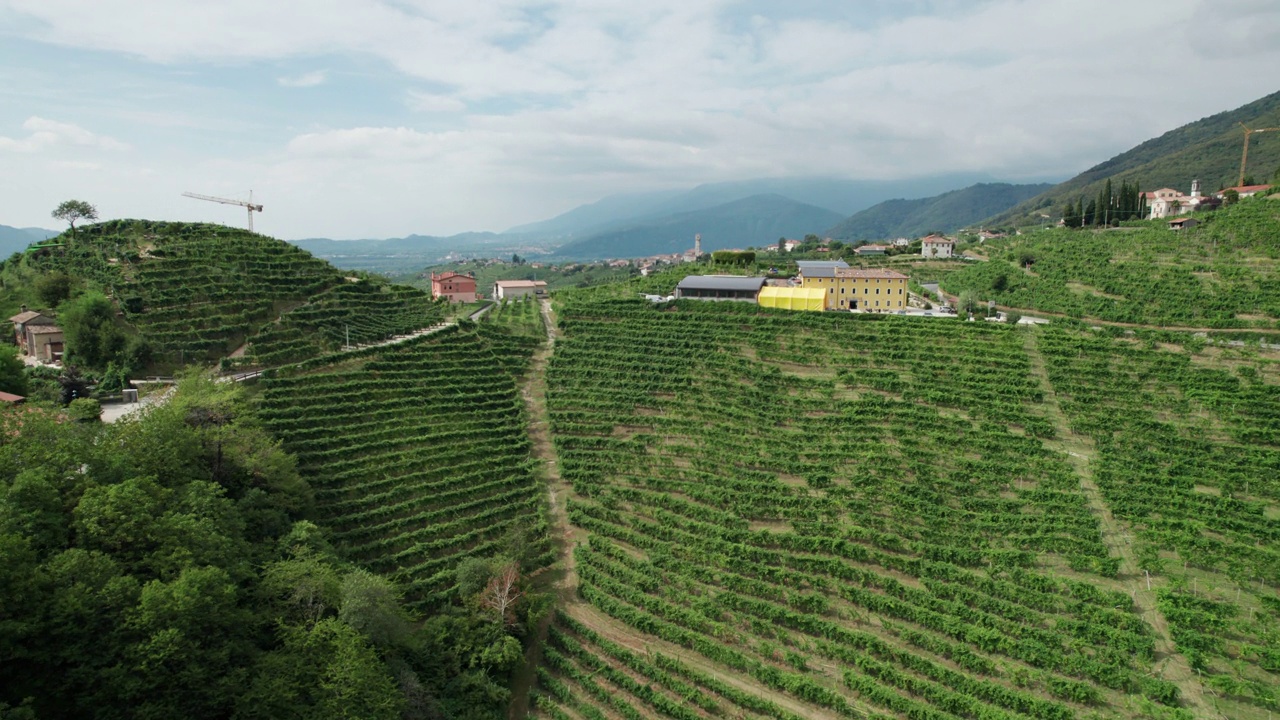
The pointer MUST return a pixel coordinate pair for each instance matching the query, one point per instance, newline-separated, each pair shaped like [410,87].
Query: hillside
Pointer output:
[1220,274]
[945,213]
[757,220]
[197,292]
[1208,150]
[796,515]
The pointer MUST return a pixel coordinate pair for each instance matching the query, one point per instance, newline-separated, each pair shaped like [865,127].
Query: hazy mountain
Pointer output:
[757,220]
[1208,150]
[841,196]
[942,213]
[14,239]
[398,255]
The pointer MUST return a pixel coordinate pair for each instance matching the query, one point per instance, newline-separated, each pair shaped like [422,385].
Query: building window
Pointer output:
[842,292]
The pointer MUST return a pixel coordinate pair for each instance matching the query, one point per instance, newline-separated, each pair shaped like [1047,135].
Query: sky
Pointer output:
[382,118]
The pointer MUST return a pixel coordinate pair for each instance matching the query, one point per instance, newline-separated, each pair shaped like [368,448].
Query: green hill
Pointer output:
[1220,274]
[947,212]
[198,292]
[1208,150]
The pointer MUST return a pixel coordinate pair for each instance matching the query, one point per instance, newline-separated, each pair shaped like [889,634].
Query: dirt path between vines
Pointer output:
[562,578]
[1118,537]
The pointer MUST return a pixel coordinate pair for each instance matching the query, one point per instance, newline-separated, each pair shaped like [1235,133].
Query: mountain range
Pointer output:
[945,213]
[14,239]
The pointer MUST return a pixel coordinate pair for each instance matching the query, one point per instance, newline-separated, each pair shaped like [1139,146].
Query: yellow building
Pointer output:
[870,290]
[793,298]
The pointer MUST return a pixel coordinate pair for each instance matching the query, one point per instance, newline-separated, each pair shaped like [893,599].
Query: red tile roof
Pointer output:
[10,398]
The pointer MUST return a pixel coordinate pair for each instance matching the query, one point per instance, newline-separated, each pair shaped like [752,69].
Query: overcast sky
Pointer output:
[378,118]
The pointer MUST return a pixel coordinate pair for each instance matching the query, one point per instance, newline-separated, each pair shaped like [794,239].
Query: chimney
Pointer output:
[24,308]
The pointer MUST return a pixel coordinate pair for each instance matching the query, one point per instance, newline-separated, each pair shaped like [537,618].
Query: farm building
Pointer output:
[873,290]
[937,246]
[455,287]
[793,298]
[720,287]
[1183,223]
[11,399]
[508,289]
[37,336]
[872,249]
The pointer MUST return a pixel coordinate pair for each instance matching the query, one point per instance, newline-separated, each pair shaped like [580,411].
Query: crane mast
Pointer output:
[248,205]
[1244,157]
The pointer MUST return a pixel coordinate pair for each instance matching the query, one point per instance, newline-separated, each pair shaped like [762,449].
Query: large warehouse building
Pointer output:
[720,287]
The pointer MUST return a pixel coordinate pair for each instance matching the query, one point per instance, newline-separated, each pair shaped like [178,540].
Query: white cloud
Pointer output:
[433,103]
[531,107]
[305,80]
[45,134]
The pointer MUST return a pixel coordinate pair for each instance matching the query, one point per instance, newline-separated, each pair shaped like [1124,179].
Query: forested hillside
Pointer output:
[1222,273]
[944,213]
[1208,150]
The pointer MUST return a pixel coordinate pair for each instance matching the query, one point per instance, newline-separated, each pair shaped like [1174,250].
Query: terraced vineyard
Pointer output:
[196,292]
[1220,274]
[418,454]
[1188,455]
[830,516]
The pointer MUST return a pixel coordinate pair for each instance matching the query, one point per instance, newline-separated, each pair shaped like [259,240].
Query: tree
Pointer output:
[502,593]
[72,211]
[1230,197]
[12,378]
[55,288]
[1026,258]
[1001,283]
[88,324]
[968,301]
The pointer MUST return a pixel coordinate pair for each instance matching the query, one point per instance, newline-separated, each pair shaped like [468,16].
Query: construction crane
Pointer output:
[1244,158]
[225,201]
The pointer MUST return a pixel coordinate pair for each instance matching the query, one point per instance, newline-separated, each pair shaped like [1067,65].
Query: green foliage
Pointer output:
[88,325]
[733,257]
[84,410]
[55,288]
[13,378]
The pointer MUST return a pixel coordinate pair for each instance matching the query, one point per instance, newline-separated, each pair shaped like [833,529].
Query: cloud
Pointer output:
[305,80]
[433,103]
[47,134]
[508,110]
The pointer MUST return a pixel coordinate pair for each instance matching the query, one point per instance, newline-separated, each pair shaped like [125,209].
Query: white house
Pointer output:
[1167,201]
[937,246]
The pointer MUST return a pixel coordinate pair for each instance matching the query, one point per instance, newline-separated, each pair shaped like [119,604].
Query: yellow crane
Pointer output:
[249,204]
[1244,159]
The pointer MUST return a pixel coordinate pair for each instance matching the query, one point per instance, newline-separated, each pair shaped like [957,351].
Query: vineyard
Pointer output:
[418,454]
[803,515]
[1220,274]
[196,292]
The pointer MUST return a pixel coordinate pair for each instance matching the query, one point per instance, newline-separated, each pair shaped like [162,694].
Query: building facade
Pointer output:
[870,290]
[37,336]
[455,287]
[937,246]
[510,289]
